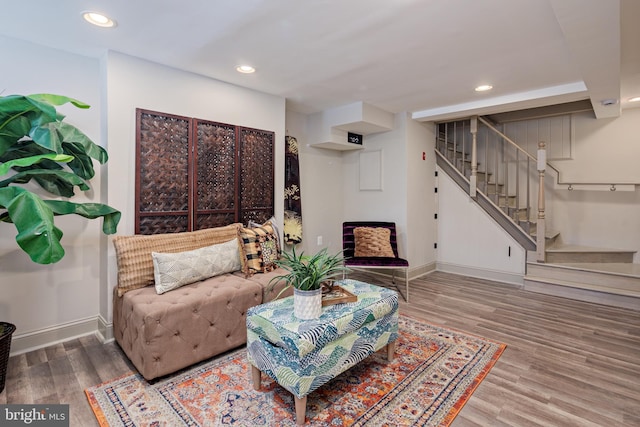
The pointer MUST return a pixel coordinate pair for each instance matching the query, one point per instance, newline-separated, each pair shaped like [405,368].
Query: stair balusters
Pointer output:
[473,179]
[501,172]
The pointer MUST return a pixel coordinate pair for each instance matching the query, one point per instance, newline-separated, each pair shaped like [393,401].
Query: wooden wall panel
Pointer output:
[194,174]
[256,175]
[162,179]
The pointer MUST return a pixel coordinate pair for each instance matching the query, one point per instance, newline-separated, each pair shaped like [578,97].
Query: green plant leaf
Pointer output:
[11,131]
[82,165]
[72,135]
[47,136]
[14,107]
[34,141]
[57,100]
[57,182]
[88,210]
[28,161]
[37,234]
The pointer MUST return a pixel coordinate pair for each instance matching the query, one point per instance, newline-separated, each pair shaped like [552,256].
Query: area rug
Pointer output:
[433,374]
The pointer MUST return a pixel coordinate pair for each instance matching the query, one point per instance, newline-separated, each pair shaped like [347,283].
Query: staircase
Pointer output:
[506,182]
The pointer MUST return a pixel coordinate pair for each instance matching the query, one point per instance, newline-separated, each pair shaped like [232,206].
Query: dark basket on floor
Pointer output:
[5,347]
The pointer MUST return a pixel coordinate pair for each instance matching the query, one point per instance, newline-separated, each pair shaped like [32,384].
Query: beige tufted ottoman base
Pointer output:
[164,333]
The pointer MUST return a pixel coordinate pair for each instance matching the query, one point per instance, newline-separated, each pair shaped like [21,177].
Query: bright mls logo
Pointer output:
[34,415]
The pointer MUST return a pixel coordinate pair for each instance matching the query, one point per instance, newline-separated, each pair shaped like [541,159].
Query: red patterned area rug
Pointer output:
[434,373]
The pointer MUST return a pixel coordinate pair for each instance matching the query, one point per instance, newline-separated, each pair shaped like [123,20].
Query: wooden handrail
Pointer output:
[506,138]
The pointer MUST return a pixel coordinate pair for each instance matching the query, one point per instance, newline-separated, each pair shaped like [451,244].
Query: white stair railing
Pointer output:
[501,169]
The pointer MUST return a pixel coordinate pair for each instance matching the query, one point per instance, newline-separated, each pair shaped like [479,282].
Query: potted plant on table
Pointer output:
[37,145]
[307,274]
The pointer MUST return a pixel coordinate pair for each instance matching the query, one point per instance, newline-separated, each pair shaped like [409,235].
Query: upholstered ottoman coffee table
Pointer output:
[302,355]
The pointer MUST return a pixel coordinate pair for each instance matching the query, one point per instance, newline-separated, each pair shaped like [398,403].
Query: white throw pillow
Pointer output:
[172,270]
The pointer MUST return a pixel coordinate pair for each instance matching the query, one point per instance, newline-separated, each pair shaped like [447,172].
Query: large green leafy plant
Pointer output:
[37,145]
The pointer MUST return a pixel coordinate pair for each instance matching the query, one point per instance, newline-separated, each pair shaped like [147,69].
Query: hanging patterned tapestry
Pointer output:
[292,202]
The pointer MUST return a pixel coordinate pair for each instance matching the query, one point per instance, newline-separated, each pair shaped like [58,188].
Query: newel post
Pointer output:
[540,225]
[473,180]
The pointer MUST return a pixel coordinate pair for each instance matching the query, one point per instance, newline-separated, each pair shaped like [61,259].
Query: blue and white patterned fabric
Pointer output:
[301,355]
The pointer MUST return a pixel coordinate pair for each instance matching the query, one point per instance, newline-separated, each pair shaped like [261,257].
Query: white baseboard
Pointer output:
[481,273]
[422,270]
[23,343]
[105,330]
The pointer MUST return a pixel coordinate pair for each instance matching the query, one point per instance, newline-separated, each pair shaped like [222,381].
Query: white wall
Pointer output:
[321,178]
[421,197]
[604,151]
[40,298]
[134,83]
[470,242]
[331,190]
[390,203]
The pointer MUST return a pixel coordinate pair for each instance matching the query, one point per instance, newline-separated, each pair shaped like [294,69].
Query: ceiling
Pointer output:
[419,56]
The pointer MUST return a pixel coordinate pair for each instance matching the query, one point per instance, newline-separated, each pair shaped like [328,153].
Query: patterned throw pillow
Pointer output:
[373,242]
[173,270]
[260,249]
[133,253]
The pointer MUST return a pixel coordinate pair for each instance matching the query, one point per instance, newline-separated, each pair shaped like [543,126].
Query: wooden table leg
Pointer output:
[255,376]
[301,409]
[391,349]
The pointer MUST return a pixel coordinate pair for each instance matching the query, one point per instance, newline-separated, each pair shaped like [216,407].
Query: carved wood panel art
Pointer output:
[215,174]
[194,174]
[256,175]
[163,173]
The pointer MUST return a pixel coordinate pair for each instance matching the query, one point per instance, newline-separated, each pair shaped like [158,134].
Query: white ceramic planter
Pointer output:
[307,304]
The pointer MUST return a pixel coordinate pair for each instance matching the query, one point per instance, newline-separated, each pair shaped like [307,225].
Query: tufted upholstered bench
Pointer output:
[164,333]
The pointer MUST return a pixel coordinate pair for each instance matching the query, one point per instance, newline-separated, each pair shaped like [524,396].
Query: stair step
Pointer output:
[458,152]
[506,201]
[481,176]
[605,283]
[583,254]
[576,283]
[491,188]
[549,235]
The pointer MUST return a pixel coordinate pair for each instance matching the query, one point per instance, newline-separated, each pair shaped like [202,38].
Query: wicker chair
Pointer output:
[370,262]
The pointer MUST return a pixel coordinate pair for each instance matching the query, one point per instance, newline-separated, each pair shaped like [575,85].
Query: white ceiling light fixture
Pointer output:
[245,69]
[634,99]
[98,19]
[483,88]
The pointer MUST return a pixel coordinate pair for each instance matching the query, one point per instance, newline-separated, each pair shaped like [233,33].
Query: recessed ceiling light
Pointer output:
[483,88]
[246,69]
[98,19]
[634,99]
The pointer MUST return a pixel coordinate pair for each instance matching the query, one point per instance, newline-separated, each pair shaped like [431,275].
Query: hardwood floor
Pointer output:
[567,363]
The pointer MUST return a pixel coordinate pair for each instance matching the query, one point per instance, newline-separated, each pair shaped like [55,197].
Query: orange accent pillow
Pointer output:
[373,242]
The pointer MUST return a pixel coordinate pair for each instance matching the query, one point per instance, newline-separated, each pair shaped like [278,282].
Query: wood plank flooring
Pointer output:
[567,363]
